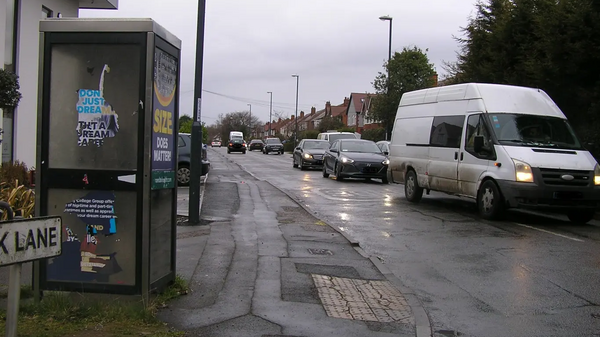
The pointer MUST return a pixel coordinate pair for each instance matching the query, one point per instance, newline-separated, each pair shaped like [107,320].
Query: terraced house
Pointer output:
[19,25]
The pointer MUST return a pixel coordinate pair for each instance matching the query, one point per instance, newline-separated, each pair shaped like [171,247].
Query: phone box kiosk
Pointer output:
[106,153]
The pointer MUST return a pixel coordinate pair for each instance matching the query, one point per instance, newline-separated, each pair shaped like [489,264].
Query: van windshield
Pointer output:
[533,131]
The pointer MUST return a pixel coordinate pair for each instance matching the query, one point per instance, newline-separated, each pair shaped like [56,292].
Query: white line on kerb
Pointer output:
[549,232]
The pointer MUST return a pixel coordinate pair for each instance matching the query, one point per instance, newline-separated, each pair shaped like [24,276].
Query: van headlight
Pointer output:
[307,156]
[386,162]
[346,160]
[523,171]
[597,175]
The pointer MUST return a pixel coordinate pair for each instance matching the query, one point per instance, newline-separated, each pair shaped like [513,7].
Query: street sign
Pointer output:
[25,240]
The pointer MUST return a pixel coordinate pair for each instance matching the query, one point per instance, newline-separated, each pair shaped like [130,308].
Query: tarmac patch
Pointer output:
[322,269]
[364,300]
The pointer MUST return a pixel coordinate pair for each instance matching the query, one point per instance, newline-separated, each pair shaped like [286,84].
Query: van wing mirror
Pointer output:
[386,153]
[478,144]
[333,150]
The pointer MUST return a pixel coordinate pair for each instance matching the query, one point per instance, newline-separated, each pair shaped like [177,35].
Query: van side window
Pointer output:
[476,127]
[446,131]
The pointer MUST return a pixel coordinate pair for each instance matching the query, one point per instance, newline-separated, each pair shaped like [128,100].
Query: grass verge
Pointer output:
[59,315]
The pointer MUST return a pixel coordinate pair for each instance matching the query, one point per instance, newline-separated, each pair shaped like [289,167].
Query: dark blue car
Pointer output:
[184,159]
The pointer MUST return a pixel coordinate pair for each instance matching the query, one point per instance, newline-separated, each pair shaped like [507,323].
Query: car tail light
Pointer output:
[230,144]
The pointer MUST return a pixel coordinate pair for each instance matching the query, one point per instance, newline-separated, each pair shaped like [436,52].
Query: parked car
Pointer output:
[256,144]
[503,146]
[236,145]
[309,153]
[355,158]
[216,143]
[384,146]
[273,145]
[184,159]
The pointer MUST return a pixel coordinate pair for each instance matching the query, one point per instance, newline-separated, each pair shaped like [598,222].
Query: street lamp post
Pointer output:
[196,146]
[388,18]
[250,120]
[296,118]
[270,111]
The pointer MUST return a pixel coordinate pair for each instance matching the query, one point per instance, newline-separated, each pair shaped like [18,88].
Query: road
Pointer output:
[530,275]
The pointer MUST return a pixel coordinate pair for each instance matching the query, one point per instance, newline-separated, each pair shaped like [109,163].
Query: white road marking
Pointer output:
[549,232]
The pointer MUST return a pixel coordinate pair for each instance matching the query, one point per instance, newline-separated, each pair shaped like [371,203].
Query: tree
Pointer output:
[408,70]
[330,123]
[9,89]
[185,126]
[547,44]
[237,121]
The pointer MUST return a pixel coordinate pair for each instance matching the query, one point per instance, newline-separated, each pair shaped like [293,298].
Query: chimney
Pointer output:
[279,121]
[435,79]
[346,101]
[301,114]
[313,110]
[292,117]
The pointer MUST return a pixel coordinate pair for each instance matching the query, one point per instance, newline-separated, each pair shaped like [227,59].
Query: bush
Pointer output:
[374,134]
[289,146]
[14,174]
[21,199]
[347,129]
[309,134]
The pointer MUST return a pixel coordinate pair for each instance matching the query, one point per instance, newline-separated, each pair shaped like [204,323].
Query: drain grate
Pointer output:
[318,251]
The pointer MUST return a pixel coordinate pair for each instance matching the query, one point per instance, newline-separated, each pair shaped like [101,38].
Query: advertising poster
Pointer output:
[80,260]
[163,120]
[97,119]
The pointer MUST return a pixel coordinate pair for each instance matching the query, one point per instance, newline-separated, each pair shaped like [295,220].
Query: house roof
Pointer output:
[356,98]
[314,116]
[338,110]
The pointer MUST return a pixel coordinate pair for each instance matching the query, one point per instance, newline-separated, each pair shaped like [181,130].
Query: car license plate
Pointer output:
[568,195]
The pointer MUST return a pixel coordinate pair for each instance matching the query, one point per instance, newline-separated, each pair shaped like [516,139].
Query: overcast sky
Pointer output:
[336,46]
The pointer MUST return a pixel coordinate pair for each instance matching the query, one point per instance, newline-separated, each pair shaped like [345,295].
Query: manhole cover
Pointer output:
[317,251]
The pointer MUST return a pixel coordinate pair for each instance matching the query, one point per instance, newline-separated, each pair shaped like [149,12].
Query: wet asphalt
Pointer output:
[252,263]
[529,275]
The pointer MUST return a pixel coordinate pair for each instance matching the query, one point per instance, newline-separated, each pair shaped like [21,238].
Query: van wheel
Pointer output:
[581,217]
[490,201]
[412,190]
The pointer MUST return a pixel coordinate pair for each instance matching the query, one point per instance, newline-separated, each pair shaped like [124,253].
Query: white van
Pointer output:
[504,146]
[333,135]
[236,135]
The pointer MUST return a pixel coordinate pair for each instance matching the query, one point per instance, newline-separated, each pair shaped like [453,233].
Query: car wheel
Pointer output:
[302,167]
[490,201]
[294,162]
[385,180]
[228,151]
[243,152]
[183,175]
[412,190]
[325,174]
[581,217]
[338,172]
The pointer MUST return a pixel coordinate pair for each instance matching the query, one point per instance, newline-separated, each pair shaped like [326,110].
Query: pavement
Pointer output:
[260,264]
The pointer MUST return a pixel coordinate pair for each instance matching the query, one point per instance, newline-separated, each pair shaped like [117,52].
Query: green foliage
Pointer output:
[185,126]
[289,146]
[346,129]
[408,70]
[309,134]
[9,89]
[374,134]
[547,44]
[14,174]
[330,123]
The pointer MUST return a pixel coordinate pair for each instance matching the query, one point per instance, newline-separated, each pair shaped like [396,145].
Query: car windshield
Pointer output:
[534,131]
[335,136]
[359,146]
[273,141]
[316,145]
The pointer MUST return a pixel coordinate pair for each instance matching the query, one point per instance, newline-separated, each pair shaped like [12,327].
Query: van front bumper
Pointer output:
[531,195]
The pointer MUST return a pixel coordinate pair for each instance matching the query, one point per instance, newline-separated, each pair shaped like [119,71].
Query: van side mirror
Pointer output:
[478,144]
[386,153]
[298,148]
[334,150]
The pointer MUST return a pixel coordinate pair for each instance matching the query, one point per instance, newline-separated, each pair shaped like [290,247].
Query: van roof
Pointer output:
[497,98]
